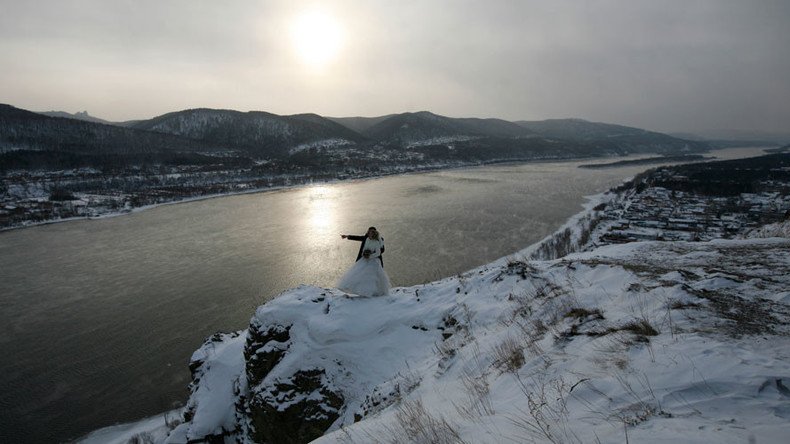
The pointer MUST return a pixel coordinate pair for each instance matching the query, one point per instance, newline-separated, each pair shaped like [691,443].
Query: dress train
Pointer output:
[366,278]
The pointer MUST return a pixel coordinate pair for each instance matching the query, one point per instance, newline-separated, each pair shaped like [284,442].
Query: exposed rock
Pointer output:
[298,409]
[292,409]
[264,349]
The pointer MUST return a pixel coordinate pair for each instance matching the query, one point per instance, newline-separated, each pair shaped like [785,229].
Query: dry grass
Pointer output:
[532,332]
[416,425]
[475,380]
[141,438]
[641,328]
[612,353]
[509,355]
[582,313]
[388,394]
[547,417]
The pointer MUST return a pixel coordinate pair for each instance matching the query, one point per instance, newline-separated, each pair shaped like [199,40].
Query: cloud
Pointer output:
[676,65]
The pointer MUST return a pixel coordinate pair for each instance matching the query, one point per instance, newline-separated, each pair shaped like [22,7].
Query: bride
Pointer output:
[367,276]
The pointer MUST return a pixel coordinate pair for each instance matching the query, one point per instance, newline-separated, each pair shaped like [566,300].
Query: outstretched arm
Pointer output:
[353,237]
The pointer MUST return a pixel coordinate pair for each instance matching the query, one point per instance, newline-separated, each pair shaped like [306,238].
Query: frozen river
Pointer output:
[99,317]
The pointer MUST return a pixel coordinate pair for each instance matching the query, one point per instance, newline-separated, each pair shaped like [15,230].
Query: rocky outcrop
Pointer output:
[218,384]
[236,394]
[296,409]
[266,346]
[286,409]
[610,326]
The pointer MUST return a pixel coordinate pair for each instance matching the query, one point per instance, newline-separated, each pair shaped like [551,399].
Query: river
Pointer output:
[99,317]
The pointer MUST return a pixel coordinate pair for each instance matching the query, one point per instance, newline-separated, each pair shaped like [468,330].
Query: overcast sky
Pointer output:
[669,65]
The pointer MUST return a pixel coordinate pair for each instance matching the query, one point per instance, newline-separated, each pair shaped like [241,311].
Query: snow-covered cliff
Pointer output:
[654,341]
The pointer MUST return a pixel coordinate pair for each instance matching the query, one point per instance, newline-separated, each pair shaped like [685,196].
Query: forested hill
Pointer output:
[256,132]
[20,130]
[33,141]
[425,128]
[613,137]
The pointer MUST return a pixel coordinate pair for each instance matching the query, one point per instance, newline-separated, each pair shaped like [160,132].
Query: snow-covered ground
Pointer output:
[153,429]
[327,144]
[779,229]
[652,341]
[440,141]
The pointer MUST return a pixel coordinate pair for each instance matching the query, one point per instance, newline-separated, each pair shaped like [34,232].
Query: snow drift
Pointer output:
[647,341]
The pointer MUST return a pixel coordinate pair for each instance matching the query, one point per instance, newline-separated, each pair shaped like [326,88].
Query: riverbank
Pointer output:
[651,161]
[96,206]
[107,206]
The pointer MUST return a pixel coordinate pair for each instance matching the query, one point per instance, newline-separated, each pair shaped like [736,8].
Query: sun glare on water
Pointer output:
[317,38]
[321,208]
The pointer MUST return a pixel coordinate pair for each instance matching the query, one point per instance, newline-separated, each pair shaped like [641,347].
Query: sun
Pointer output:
[317,38]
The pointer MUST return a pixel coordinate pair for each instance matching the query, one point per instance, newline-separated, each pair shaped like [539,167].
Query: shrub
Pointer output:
[640,327]
[509,355]
[59,194]
[583,313]
[416,425]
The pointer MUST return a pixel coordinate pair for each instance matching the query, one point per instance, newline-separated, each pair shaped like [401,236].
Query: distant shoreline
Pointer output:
[381,174]
[649,161]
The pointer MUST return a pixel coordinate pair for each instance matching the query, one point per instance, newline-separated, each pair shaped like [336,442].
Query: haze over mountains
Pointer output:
[265,135]
[80,115]
[567,128]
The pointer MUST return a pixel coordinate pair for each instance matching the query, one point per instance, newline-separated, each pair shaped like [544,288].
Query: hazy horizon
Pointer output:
[683,67]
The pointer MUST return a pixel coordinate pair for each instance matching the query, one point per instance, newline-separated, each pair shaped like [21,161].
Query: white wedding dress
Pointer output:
[367,277]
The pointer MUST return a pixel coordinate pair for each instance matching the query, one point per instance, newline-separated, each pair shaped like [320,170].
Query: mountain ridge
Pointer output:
[257,131]
[400,129]
[310,142]
[407,128]
[79,115]
[22,129]
[547,127]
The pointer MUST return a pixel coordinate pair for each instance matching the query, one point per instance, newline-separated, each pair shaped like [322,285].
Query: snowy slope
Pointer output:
[779,229]
[420,128]
[654,341]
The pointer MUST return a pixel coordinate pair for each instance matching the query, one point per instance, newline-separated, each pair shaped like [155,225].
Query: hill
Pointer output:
[256,132]
[425,128]
[82,115]
[741,136]
[33,140]
[359,124]
[610,136]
